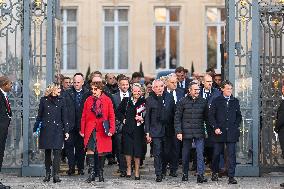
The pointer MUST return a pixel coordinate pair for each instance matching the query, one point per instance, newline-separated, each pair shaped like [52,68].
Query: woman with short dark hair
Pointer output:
[98,110]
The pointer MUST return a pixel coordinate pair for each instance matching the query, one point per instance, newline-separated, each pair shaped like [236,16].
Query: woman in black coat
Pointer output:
[51,123]
[131,112]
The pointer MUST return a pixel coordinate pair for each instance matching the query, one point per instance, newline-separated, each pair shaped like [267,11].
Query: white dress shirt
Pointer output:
[122,94]
[174,95]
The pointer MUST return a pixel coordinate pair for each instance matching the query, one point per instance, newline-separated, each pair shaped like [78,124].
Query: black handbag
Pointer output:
[106,126]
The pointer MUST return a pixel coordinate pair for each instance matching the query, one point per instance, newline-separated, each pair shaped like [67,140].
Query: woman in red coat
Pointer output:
[97,109]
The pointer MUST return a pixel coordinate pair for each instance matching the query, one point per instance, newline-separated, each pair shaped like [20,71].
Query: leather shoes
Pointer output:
[201,179]
[159,178]
[173,174]
[232,180]
[137,178]
[214,177]
[123,174]
[282,185]
[81,172]
[184,177]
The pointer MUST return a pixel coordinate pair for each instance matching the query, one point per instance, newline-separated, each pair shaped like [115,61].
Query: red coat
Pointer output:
[89,122]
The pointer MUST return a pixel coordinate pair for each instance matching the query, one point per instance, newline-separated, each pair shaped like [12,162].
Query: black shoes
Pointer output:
[201,179]
[173,174]
[70,172]
[214,177]
[123,174]
[101,176]
[184,177]
[47,177]
[137,178]
[159,178]
[282,185]
[2,186]
[232,180]
[91,177]
[56,179]
[81,172]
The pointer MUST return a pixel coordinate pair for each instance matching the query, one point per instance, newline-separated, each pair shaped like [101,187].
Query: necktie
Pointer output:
[172,92]
[8,104]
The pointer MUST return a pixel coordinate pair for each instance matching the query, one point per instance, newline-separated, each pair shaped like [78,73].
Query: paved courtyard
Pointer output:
[112,180]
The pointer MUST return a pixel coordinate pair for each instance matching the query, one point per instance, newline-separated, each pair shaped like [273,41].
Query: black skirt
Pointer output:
[92,143]
[133,144]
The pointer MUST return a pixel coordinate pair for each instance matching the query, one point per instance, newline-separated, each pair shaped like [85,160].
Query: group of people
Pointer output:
[95,119]
[120,116]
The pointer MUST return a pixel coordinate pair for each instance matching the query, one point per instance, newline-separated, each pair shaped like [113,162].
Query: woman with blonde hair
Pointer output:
[52,125]
[131,112]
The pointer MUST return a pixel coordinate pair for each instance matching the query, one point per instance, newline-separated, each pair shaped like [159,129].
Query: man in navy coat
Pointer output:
[5,117]
[225,118]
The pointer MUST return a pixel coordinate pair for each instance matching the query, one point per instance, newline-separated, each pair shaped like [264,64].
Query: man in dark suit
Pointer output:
[279,126]
[123,84]
[5,117]
[225,118]
[209,93]
[183,80]
[75,97]
[173,146]
[159,115]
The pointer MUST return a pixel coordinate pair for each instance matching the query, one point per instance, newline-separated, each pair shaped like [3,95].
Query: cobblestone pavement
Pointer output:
[112,180]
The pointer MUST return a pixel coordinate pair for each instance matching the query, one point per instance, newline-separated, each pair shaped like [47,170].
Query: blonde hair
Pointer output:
[51,88]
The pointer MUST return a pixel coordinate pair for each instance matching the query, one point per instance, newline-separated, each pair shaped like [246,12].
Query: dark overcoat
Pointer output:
[190,117]
[225,115]
[279,127]
[52,113]
[155,127]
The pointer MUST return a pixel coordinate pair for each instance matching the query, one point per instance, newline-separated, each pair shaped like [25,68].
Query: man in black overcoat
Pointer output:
[5,117]
[159,115]
[75,98]
[225,118]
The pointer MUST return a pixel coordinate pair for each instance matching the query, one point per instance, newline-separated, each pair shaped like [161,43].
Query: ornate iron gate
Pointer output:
[29,55]
[255,64]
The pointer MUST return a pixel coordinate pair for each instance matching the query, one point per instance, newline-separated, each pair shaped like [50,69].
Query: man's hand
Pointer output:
[139,118]
[179,137]
[109,134]
[218,131]
[149,139]
[82,135]
[66,136]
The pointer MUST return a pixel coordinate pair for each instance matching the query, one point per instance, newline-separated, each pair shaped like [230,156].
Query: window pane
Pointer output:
[212,14]
[109,48]
[161,14]
[71,48]
[109,15]
[123,47]
[223,14]
[174,14]
[160,47]
[174,47]
[72,15]
[212,46]
[123,15]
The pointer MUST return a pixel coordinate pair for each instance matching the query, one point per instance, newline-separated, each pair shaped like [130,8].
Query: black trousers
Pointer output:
[171,153]
[54,162]
[76,142]
[3,137]
[231,151]
[117,143]
[158,153]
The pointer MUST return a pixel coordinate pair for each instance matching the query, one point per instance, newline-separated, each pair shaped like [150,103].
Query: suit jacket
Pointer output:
[155,127]
[213,95]
[5,114]
[116,99]
[187,81]
[280,117]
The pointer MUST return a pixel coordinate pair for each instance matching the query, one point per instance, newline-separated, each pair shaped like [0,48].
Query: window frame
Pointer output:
[167,24]
[116,24]
[65,25]
[218,24]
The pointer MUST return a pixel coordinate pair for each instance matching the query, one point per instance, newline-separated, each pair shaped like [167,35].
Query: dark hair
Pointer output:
[123,78]
[191,84]
[78,74]
[99,85]
[120,76]
[66,78]
[4,80]
[136,74]
[226,82]
[106,76]
[147,83]
[179,69]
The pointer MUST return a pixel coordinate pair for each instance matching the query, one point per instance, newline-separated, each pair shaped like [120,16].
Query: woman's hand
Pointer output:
[109,134]
[66,136]
[149,139]
[139,118]
[82,135]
